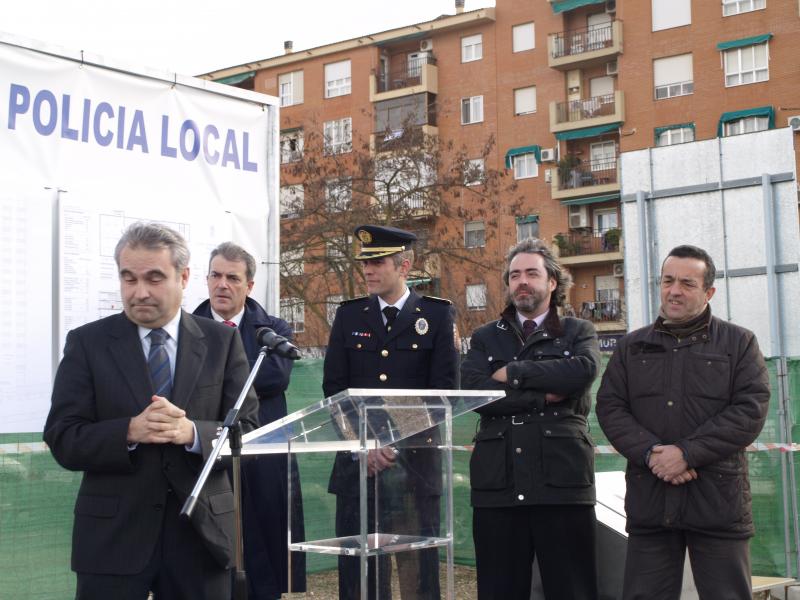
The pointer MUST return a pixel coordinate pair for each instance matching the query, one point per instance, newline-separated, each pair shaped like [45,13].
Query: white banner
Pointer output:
[86,149]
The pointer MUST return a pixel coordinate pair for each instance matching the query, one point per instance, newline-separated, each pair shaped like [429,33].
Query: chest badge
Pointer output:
[421,326]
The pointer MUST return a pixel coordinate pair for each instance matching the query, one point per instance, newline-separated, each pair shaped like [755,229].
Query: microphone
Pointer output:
[277,344]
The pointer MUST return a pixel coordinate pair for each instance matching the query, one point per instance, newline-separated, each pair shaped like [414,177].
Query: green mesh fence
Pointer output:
[37,497]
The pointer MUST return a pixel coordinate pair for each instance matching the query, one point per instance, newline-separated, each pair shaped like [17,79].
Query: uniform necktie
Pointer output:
[158,363]
[229,323]
[391,314]
[528,327]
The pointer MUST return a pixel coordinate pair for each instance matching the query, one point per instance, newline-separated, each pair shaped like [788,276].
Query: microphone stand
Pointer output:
[230,428]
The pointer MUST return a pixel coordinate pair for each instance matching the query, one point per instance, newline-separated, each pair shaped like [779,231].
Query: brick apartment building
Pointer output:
[561,88]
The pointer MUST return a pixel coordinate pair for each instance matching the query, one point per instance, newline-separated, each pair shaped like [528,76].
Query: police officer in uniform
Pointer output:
[391,339]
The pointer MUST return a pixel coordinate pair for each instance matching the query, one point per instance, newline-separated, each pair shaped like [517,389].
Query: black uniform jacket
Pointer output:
[101,383]
[526,451]
[418,353]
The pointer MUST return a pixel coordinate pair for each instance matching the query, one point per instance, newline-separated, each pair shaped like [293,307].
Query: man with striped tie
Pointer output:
[137,402]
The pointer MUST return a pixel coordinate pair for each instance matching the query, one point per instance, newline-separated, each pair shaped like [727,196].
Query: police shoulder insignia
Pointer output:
[349,300]
[421,326]
[439,300]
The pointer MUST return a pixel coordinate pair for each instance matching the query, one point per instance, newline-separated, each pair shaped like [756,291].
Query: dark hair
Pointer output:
[554,270]
[232,252]
[155,236]
[688,251]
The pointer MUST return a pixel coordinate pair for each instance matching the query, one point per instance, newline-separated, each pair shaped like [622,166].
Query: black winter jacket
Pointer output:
[526,451]
[706,393]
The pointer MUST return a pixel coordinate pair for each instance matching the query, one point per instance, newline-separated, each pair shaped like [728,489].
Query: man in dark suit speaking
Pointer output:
[137,401]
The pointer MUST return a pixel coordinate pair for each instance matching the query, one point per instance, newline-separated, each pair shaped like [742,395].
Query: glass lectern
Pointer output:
[387,457]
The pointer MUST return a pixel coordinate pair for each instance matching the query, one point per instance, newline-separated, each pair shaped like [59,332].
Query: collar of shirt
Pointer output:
[398,305]
[538,320]
[237,318]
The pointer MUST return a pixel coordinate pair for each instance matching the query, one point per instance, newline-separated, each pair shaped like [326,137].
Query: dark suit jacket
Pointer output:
[101,383]
[418,353]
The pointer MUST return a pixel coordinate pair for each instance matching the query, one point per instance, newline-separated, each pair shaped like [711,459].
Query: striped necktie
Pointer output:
[158,363]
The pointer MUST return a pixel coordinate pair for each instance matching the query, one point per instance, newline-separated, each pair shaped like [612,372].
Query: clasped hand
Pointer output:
[668,464]
[161,423]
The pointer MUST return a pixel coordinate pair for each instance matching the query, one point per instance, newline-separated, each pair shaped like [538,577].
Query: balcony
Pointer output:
[575,179]
[404,206]
[584,246]
[400,139]
[590,112]
[580,48]
[606,314]
[417,76]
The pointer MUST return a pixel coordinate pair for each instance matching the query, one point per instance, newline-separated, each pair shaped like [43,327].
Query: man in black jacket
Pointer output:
[681,399]
[532,469]
[231,273]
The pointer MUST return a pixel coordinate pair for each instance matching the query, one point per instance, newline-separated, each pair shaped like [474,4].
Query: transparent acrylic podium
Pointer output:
[406,510]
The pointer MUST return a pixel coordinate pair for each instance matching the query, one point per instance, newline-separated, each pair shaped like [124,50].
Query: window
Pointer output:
[292,262]
[338,136]
[338,194]
[476,296]
[471,110]
[291,201]
[525,100]
[674,135]
[527,227]
[746,65]
[673,76]
[734,7]
[474,171]
[293,311]
[522,37]
[290,88]
[291,143]
[337,79]
[474,234]
[525,166]
[671,13]
[605,219]
[603,156]
[471,48]
[746,125]
[333,303]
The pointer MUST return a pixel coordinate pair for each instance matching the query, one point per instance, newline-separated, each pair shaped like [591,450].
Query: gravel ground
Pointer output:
[324,586]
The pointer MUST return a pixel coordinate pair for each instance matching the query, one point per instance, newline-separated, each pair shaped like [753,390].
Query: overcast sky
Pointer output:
[197,36]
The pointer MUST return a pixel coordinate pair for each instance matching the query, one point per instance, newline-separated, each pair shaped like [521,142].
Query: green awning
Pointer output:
[527,219]
[590,200]
[748,41]
[536,150]
[735,115]
[420,281]
[587,132]
[565,5]
[234,79]
[659,130]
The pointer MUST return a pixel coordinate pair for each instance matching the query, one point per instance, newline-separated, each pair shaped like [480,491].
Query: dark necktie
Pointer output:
[528,327]
[391,315]
[158,363]
[229,323]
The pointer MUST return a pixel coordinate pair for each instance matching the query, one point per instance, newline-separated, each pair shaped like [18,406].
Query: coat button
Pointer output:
[516,382]
[519,450]
[414,346]
[383,377]
[521,497]
[566,352]
[490,358]
[384,353]
[358,346]
[670,403]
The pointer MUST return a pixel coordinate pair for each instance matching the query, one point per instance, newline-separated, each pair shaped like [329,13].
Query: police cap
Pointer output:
[377,241]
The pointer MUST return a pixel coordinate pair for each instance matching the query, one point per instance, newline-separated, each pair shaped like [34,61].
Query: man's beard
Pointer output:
[532,303]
